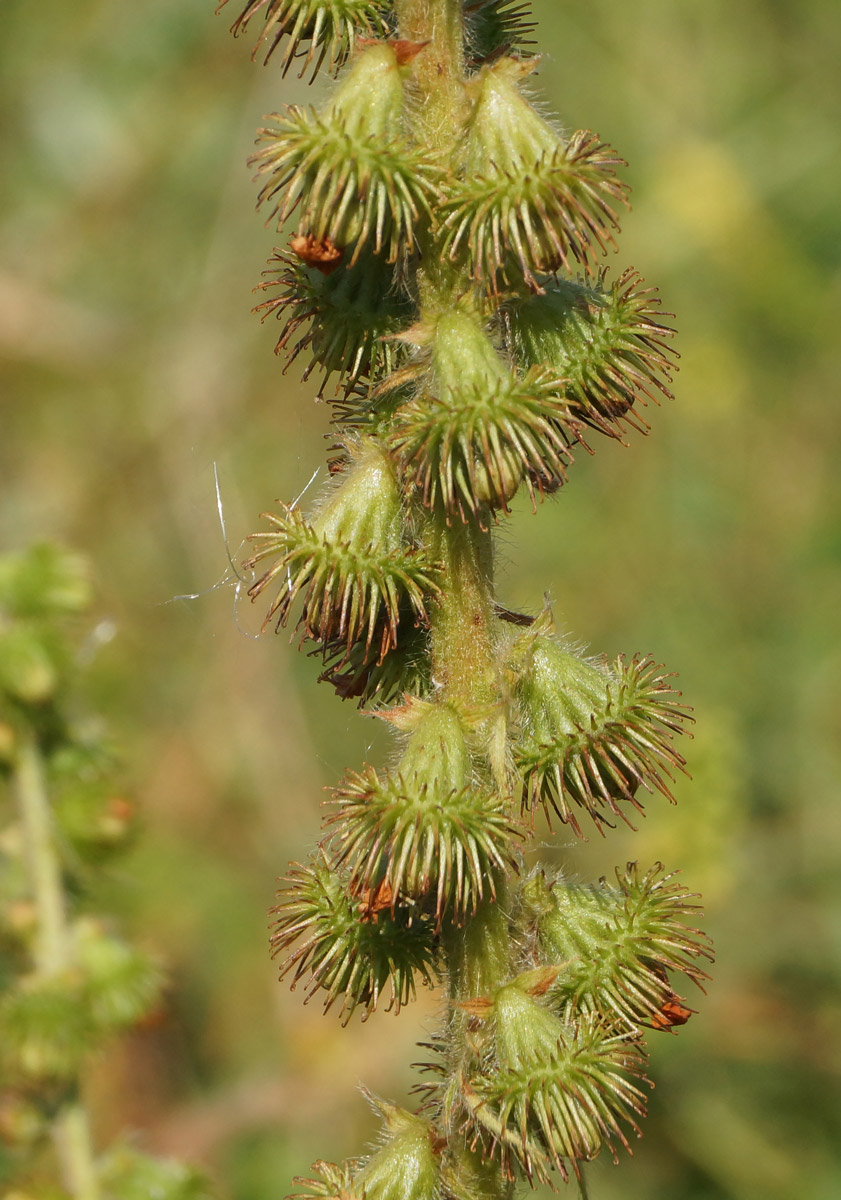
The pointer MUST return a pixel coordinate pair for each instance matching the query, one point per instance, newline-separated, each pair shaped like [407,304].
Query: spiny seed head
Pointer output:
[348,944]
[496,27]
[344,319]
[351,563]
[441,851]
[348,170]
[608,342]
[554,1093]
[331,28]
[591,735]
[615,946]
[476,431]
[529,200]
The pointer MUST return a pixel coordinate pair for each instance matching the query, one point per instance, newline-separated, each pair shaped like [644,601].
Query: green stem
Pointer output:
[462,650]
[478,955]
[53,954]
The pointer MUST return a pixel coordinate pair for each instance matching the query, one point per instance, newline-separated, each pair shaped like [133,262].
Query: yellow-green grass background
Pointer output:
[131,365]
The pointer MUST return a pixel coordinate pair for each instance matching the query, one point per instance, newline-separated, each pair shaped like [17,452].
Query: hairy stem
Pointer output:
[477,954]
[53,954]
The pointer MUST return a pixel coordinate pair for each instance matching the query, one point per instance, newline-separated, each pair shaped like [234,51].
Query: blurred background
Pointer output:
[132,370]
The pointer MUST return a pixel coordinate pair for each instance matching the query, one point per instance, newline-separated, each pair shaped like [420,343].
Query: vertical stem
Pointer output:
[478,955]
[53,954]
[439,69]
[52,949]
[462,653]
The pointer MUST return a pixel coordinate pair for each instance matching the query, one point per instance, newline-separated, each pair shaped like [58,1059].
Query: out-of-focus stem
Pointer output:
[53,954]
[477,954]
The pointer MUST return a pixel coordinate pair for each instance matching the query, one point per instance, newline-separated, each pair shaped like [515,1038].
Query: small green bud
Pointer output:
[436,756]
[369,101]
[22,1123]
[43,581]
[122,985]
[130,1175]
[46,1028]
[96,821]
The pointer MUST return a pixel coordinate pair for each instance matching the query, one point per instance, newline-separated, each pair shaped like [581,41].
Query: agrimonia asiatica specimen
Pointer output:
[442,281]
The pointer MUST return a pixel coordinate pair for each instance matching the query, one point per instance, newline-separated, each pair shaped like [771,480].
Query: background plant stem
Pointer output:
[53,954]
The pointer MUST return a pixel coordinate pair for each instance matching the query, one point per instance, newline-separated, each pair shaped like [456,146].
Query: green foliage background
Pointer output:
[130,365]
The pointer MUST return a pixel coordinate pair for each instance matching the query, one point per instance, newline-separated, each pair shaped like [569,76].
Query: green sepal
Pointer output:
[344,320]
[348,169]
[425,833]
[330,26]
[350,563]
[350,945]
[126,1174]
[590,735]
[614,945]
[608,343]
[556,1093]
[527,194]
[496,27]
